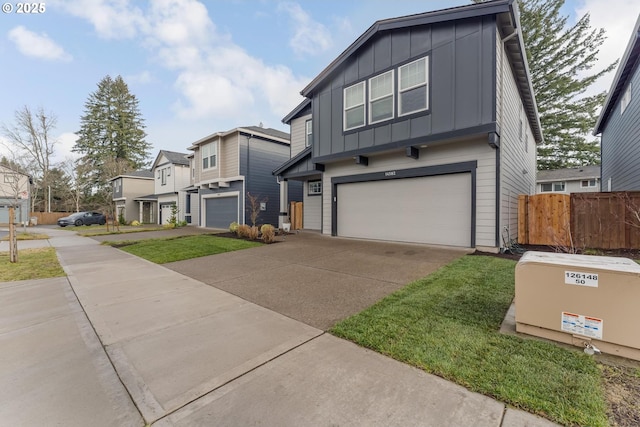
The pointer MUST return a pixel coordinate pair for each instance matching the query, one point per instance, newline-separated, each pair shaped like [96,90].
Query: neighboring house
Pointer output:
[619,123]
[571,180]
[171,174]
[423,130]
[14,191]
[225,167]
[126,189]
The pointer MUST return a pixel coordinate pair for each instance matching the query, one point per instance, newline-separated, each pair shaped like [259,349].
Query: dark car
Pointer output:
[83,218]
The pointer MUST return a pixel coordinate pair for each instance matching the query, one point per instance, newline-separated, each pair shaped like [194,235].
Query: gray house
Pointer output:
[126,189]
[619,123]
[423,130]
[583,179]
[226,167]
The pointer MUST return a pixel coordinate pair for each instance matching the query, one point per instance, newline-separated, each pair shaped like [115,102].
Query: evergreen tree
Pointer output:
[111,131]
[557,54]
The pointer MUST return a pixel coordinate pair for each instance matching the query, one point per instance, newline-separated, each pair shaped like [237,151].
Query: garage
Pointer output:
[4,214]
[165,212]
[428,209]
[221,211]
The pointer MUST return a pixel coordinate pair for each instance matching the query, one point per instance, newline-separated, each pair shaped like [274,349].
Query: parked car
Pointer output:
[83,218]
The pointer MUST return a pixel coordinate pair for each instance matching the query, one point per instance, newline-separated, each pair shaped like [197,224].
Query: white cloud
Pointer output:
[215,77]
[37,45]
[143,77]
[64,145]
[310,37]
[618,18]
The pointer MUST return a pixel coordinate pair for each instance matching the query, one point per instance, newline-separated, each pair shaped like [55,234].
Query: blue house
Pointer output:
[423,130]
[619,123]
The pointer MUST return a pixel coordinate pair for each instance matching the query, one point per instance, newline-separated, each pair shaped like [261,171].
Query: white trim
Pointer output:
[371,100]
[426,86]
[218,180]
[203,204]
[363,104]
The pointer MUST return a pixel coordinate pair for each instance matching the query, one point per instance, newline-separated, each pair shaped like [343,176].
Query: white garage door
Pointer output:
[434,209]
[165,213]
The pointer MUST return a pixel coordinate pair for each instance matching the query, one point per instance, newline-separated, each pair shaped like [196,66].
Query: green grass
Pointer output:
[447,324]
[28,236]
[162,251]
[39,263]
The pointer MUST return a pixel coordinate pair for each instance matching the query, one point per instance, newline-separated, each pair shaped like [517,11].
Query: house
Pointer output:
[570,180]
[171,174]
[423,130]
[227,167]
[619,123]
[127,187]
[14,191]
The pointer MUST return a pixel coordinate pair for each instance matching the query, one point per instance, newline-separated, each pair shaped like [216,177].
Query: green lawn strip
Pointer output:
[180,248]
[27,236]
[447,324]
[101,230]
[32,264]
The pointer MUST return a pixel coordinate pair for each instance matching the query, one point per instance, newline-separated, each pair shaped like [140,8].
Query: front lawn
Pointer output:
[101,230]
[27,236]
[448,323]
[39,263]
[162,251]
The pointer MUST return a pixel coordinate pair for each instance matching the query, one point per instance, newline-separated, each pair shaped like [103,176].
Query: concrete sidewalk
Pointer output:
[189,354]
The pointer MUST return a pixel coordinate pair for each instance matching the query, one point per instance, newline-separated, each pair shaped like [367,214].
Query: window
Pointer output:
[354,106]
[315,188]
[9,179]
[209,154]
[626,99]
[308,133]
[381,97]
[188,204]
[163,174]
[413,91]
[555,187]
[588,183]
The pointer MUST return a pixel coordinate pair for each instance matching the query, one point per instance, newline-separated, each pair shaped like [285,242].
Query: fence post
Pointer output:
[523,219]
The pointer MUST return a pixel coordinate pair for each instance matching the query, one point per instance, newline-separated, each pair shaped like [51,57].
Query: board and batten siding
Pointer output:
[298,134]
[619,142]
[452,152]
[517,147]
[461,79]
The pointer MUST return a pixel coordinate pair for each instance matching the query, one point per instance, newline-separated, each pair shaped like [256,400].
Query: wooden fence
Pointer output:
[48,218]
[580,220]
[295,214]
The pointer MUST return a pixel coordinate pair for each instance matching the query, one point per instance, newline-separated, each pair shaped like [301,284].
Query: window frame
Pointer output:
[425,84]
[588,181]
[163,176]
[308,133]
[372,100]
[362,104]
[553,187]
[212,154]
[316,192]
[10,179]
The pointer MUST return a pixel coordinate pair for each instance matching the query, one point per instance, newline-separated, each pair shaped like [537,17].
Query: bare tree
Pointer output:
[30,134]
[254,206]
[74,171]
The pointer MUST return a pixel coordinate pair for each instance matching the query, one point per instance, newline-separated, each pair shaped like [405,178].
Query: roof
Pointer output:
[141,174]
[569,174]
[175,157]
[508,22]
[266,133]
[628,65]
[5,169]
[301,107]
[293,161]
[149,197]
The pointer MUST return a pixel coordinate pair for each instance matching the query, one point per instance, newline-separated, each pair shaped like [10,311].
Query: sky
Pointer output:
[200,67]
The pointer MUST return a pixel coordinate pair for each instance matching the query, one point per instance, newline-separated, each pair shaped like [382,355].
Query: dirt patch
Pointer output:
[622,391]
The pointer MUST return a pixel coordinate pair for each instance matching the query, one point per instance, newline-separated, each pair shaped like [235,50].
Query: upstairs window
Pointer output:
[209,155]
[9,179]
[413,90]
[381,97]
[164,174]
[354,106]
[308,133]
[626,99]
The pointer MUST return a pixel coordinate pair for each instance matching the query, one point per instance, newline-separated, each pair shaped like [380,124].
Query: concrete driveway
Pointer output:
[316,279]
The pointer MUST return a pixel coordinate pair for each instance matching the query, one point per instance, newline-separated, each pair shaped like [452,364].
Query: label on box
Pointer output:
[581,325]
[581,278]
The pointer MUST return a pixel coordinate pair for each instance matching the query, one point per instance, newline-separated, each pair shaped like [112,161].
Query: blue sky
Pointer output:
[203,67]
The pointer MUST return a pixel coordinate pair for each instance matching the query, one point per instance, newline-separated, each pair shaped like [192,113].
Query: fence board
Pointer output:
[48,218]
[544,219]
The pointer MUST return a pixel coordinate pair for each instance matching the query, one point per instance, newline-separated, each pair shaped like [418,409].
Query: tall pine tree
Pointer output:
[111,132]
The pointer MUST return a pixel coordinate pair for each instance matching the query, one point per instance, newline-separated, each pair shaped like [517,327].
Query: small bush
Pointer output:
[135,223]
[169,225]
[243,230]
[182,223]
[254,232]
[268,233]
[121,219]
[233,227]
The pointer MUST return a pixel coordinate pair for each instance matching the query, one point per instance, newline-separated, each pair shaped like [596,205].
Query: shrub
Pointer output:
[233,227]
[182,223]
[121,219]
[135,223]
[268,233]
[169,225]
[254,232]
[243,230]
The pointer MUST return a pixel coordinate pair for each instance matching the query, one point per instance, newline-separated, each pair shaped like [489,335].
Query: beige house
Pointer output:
[171,175]
[126,189]
[14,191]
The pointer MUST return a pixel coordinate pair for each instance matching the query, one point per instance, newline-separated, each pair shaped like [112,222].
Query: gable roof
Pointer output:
[270,134]
[173,157]
[626,68]
[508,22]
[299,109]
[141,174]
[8,170]
[569,174]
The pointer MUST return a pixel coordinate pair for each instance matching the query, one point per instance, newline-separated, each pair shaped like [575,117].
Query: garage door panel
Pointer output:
[435,209]
[221,211]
